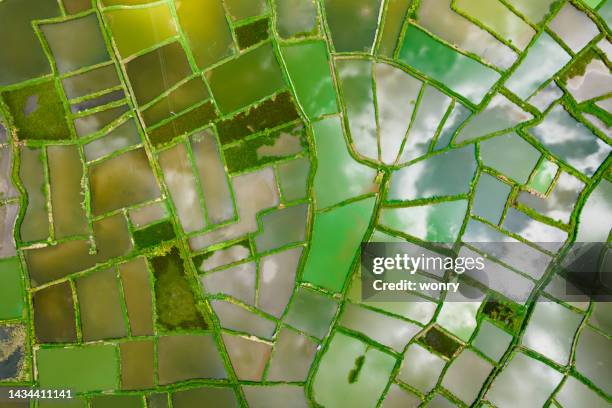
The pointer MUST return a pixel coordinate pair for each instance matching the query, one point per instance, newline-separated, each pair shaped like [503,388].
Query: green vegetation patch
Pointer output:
[509,314]
[267,115]
[354,373]
[439,341]
[252,33]
[38,112]
[175,301]
[154,234]
[578,66]
[266,148]
[183,123]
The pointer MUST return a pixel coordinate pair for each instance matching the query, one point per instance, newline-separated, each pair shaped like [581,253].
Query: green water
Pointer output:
[86,368]
[309,69]
[153,24]
[461,74]
[330,258]
[206,29]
